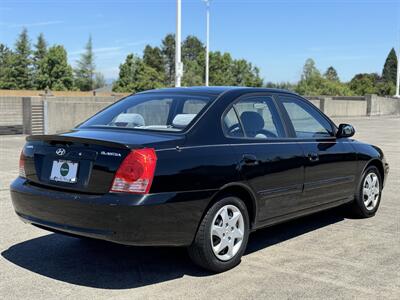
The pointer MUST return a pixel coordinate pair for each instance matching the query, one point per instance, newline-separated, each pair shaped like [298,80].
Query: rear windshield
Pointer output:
[151,112]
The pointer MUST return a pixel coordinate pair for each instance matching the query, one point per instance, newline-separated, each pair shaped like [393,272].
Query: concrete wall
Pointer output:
[63,113]
[10,111]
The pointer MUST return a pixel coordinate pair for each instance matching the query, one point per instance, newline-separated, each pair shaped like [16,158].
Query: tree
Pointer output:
[54,71]
[331,74]
[192,49]
[6,68]
[389,72]
[168,51]
[363,84]
[40,49]
[193,74]
[221,69]
[136,76]
[244,74]
[313,84]
[152,56]
[21,69]
[310,70]
[85,70]
[38,55]
[99,80]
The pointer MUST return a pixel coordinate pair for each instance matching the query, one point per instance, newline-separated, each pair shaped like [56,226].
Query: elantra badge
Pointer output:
[60,151]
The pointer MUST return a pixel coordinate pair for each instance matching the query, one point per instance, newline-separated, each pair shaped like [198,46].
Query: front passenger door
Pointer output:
[270,165]
[330,163]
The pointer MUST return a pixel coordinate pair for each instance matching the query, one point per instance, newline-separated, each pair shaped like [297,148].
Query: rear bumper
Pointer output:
[168,219]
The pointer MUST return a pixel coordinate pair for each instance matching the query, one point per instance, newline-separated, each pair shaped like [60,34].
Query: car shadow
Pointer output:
[106,265]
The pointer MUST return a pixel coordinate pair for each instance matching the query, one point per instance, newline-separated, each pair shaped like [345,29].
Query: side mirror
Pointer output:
[345,130]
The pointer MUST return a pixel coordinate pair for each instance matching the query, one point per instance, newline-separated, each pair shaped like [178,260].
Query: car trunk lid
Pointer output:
[85,160]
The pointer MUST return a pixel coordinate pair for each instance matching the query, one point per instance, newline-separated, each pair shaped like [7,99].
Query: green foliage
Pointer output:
[22,63]
[99,80]
[389,72]
[168,52]
[54,71]
[136,76]
[7,58]
[85,70]
[313,84]
[310,71]
[281,85]
[38,55]
[153,57]
[331,74]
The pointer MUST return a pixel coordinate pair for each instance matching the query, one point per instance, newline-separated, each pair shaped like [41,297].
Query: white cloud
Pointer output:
[27,25]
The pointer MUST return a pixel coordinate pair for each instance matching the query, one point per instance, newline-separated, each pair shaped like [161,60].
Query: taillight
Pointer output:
[136,172]
[22,164]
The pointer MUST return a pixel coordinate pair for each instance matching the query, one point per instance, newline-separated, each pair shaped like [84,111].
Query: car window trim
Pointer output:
[289,123]
[245,137]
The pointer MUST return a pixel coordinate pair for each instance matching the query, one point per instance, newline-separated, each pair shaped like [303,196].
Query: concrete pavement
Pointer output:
[327,255]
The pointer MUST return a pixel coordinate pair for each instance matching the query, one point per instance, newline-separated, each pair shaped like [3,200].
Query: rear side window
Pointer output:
[232,125]
[259,118]
[151,112]
[307,122]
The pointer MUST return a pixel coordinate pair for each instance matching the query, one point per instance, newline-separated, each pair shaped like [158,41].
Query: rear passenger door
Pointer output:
[271,167]
[330,165]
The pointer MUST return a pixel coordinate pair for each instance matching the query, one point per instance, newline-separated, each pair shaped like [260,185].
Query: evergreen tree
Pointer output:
[192,49]
[38,55]
[389,73]
[136,76]
[6,68]
[168,51]
[54,71]
[85,71]
[152,56]
[331,74]
[310,70]
[22,62]
[245,74]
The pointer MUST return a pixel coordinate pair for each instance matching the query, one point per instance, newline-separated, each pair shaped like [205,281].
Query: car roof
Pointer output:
[214,90]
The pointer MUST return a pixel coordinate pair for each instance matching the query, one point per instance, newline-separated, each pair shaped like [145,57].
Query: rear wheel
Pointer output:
[368,198]
[222,236]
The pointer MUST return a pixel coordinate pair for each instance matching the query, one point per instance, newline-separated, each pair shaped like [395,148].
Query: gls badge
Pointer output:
[110,153]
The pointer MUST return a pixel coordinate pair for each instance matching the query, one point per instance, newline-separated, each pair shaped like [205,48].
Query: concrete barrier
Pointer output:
[62,113]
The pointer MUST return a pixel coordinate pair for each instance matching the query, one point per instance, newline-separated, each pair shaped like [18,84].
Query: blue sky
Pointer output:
[278,36]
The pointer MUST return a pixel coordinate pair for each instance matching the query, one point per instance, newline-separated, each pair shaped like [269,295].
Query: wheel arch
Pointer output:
[241,191]
[378,164]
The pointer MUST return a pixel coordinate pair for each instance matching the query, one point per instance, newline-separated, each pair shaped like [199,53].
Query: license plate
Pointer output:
[64,171]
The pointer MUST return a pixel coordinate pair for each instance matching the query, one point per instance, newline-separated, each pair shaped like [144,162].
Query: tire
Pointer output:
[230,247]
[364,205]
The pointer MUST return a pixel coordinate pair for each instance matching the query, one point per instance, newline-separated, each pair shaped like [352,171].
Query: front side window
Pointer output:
[259,118]
[307,121]
[151,112]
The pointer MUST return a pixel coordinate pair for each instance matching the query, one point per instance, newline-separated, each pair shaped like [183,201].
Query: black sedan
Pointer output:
[197,167]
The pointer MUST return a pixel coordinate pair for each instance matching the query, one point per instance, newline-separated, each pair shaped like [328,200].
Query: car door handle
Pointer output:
[250,160]
[313,156]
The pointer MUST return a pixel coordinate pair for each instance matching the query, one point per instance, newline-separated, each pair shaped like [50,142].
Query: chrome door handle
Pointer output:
[250,159]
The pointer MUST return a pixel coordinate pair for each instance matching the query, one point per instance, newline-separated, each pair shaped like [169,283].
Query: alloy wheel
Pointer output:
[371,191]
[227,232]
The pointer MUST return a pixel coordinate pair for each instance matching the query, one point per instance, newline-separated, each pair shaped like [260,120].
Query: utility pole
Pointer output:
[178,63]
[207,40]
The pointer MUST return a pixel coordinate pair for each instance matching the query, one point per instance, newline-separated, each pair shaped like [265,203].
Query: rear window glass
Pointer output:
[151,112]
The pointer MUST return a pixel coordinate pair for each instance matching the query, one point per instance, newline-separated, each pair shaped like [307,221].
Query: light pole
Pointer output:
[207,39]
[178,63]
[398,75]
